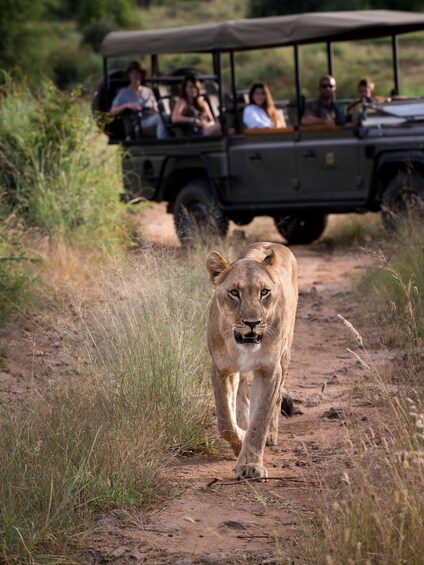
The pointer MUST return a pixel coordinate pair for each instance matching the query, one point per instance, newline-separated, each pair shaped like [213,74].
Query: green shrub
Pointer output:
[55,171]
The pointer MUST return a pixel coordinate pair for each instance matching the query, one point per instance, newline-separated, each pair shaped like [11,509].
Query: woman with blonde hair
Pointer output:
[261,111]
[192,112]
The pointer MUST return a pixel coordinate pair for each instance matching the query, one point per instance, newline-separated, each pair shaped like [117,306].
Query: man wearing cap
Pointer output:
[139,99]
[322,111]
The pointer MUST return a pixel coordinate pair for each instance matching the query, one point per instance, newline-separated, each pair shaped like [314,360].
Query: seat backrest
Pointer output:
[293,115]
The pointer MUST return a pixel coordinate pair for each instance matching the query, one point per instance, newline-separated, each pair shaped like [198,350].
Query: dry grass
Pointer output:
[139,395]
[376,512]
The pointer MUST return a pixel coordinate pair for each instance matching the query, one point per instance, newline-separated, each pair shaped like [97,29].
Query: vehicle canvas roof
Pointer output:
[239,35]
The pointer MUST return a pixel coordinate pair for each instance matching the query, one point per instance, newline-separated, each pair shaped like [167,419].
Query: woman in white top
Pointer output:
[261,112]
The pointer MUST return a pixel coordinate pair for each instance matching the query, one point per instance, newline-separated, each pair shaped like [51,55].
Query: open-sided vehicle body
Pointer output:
[297,174]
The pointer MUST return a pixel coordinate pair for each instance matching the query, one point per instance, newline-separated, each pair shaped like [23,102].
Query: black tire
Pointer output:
[403,199]
[196,214]
[301,229]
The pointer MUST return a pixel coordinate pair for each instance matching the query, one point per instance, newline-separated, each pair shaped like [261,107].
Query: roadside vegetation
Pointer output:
[133,326]
[139,396]
[59,182]
[378,515]
[354,231]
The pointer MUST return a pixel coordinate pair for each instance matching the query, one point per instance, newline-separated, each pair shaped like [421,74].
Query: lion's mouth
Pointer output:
[250,337]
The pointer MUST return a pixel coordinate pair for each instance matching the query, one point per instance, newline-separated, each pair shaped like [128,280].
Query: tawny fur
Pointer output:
[250,334]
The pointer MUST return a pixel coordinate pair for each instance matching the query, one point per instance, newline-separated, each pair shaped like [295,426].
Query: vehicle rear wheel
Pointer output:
[196,214]
[403,199]
[301,229]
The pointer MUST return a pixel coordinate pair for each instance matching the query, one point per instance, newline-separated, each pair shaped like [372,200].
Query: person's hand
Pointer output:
[134,106]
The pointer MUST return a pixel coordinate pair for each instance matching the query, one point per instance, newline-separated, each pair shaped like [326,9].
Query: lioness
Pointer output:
[251,325]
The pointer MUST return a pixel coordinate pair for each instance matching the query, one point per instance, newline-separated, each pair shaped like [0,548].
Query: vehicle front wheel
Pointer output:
[196,214]
[301,229]
[403,199]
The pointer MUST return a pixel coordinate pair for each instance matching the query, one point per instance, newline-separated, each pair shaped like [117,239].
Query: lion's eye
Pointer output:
[265,292]
[234,293]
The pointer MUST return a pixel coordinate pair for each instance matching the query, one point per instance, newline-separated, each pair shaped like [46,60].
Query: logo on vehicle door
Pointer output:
[329,158]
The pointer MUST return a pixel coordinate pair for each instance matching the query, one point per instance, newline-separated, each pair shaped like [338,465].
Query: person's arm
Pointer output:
[280,121]
[311,120]
[311,117]
[118,109]
[210,120]
[177,116]
[254,118]
[120,104]
[150,101]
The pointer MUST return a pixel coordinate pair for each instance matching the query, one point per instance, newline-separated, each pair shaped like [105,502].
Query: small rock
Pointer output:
[139,556]
[234,524]
[54,362]
[183,562]
[119,552]
[215,558]
[335,414]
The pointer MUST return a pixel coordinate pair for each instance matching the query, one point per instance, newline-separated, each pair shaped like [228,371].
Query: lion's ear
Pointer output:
[215,264]
[269,260]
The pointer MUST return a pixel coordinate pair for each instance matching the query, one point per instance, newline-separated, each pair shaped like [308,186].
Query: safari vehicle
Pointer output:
[298,174]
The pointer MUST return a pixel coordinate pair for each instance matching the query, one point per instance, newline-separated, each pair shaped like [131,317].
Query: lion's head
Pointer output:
[247,293]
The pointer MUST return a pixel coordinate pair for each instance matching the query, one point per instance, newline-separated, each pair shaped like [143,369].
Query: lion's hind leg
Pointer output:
[272,437]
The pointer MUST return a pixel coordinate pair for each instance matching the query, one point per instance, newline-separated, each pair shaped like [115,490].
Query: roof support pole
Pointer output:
[154,66]
[234,90]
[297,82]
[106,82]
[218,73]
[395,56]
[330,58]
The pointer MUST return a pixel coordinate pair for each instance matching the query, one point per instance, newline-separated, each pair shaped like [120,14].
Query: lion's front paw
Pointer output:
[251,471]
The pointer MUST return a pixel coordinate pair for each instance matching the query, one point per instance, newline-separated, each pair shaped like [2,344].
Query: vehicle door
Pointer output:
[327,164]
[262,167]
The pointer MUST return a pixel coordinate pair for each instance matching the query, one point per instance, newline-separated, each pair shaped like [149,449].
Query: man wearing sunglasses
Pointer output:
[322,111]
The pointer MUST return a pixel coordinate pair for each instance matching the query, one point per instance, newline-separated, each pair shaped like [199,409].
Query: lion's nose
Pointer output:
[251,323]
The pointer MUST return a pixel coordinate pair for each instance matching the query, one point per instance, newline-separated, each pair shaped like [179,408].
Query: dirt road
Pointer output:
[214,519]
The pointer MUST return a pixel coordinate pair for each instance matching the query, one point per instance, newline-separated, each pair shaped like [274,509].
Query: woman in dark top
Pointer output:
[193,112]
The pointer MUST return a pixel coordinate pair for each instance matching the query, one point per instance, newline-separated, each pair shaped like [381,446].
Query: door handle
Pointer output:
[255,157]
[310,154]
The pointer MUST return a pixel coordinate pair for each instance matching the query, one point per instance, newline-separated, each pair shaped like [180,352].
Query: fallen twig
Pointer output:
[218,482]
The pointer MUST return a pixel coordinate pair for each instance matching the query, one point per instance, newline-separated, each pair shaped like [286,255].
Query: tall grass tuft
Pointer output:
[354,230]
[136,395]
[57,179]
[395,288]
[378,515]
[55,170]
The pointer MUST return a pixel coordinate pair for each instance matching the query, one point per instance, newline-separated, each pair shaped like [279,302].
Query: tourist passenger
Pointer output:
[140,100]
[365,89]
[322,111]
[192,112]
[261,111]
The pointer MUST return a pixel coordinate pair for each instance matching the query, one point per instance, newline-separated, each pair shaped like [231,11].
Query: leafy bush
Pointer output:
[55,172]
